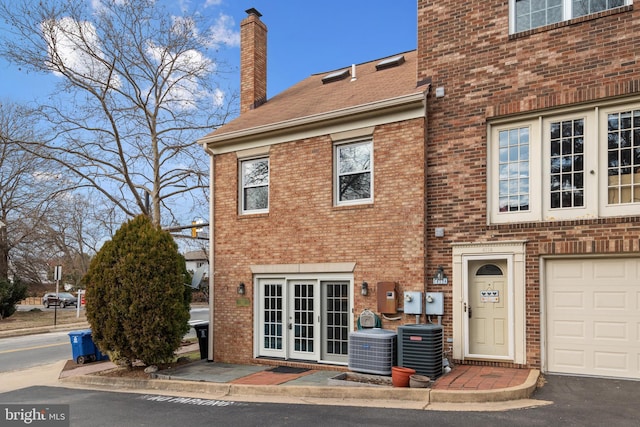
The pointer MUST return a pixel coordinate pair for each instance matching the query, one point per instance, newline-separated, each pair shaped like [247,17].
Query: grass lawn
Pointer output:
[36,318]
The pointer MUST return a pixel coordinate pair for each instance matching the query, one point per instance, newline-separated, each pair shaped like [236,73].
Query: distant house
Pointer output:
[498,165]
[197,263]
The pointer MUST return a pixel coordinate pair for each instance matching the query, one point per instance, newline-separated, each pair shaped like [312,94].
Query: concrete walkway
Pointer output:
[259,383]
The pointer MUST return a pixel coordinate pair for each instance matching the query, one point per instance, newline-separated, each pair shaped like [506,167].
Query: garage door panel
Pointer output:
[593,316]
[568,329]
[611,300]
[611,331]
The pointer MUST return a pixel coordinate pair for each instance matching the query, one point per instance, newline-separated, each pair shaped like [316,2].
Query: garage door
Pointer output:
[593,317]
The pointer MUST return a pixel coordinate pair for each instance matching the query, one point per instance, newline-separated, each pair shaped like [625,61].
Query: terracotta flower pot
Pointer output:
[419,381]
[400,376]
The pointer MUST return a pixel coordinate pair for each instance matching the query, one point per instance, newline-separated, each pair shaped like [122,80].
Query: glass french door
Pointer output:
[303,319]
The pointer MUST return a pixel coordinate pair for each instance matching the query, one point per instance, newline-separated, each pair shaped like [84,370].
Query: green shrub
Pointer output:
[137,298]
[11,293]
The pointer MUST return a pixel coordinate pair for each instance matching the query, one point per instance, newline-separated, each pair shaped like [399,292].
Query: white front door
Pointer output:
[488,331]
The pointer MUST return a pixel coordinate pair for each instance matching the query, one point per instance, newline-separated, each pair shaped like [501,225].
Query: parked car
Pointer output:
[63,299]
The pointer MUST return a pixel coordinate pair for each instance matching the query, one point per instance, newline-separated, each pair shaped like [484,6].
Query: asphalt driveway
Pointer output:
[591,401]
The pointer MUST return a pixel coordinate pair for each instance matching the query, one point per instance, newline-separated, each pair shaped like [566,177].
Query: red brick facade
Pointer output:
[385,239]
[430,174]
[486,73]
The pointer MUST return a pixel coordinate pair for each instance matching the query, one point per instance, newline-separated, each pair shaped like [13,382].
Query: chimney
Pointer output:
[253,61]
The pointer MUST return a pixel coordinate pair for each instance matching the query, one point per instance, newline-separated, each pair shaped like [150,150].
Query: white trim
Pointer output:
[285,279]
[567,14]
[336,174]
[595,165]
[513,250]
[241,187]
[367,115]
[510,304]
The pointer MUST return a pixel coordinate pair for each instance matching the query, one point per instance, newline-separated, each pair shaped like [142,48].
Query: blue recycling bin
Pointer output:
[83,348]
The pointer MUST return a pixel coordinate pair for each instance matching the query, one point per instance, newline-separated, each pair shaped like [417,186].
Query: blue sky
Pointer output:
[304,38]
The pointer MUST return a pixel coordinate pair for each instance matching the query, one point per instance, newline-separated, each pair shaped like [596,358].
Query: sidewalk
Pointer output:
[464,388]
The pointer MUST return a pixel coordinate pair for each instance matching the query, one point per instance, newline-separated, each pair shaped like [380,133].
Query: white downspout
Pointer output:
[212,249]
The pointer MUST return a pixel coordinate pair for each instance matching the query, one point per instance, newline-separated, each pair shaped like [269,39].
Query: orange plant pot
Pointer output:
[400,376]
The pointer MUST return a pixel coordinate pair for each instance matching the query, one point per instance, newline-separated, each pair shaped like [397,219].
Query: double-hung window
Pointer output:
[574,165]
[529,14]
[254,188]
[353,183]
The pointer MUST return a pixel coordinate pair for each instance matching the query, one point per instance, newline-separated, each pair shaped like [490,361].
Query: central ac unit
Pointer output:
[420,347]
[372,351]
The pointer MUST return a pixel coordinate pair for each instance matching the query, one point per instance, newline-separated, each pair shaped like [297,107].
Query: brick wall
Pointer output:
[465,47]
[384,239]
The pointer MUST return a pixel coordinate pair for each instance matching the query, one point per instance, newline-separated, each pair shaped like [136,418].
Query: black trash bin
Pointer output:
[202,332]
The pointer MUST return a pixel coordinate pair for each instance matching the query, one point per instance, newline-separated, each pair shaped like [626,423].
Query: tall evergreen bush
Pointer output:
[11,293]
[137,298]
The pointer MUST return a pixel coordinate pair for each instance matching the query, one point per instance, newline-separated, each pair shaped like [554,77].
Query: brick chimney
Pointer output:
[253,61]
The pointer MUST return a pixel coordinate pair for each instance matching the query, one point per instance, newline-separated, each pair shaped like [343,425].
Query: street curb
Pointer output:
[424,395]
[43,330]
[230,390]
[523,391]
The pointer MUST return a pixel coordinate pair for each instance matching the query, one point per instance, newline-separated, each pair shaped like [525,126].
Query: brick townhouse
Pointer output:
[498,166]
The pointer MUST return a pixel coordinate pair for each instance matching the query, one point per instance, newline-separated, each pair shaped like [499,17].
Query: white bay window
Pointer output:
[574,165]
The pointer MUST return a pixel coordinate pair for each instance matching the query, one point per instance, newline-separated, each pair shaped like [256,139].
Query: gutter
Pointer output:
[378,107]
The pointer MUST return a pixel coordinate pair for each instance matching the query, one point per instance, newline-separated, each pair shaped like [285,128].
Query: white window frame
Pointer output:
[607,209]
[242,186]
[336,173]
[595,167]
[590,207]
[567,14]
[534,212]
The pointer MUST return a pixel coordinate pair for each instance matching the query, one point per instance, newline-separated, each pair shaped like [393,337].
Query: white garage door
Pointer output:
[593,317]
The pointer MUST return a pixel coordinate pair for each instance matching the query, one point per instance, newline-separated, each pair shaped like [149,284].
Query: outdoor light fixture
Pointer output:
[365,289]
[241,288]
[440,278]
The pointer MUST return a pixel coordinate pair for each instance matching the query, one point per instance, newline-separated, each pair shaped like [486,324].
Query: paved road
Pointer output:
[576,402]
[34,350]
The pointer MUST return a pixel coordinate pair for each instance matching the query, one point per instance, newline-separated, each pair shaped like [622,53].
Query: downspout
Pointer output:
[212,249]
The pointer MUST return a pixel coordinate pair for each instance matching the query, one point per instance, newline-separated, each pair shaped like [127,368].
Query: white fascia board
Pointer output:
[380,112]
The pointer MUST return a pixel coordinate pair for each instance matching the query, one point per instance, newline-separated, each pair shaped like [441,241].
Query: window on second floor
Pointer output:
[354,173]
[576,165]
[529,14]
[254,188]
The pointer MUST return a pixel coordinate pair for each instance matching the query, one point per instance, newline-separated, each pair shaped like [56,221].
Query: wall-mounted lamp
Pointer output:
[241,289]
[365,289]
[440,278]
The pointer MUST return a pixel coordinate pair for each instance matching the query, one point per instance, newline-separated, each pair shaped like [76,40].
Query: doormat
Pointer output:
[287,370]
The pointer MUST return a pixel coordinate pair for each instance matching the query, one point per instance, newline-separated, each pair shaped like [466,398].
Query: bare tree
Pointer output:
[27,194]
[136,89]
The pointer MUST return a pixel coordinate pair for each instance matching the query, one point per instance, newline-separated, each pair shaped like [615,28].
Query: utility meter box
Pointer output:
[387,297]
[412,302]
[434,304]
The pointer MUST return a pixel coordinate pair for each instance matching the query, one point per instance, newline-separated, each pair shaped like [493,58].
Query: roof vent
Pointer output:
[334,77]
[390,62]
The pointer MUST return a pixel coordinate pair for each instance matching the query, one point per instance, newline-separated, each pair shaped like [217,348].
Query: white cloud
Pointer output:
[184,91]
[211,3]
[222,32]
[75,46]
[218,98]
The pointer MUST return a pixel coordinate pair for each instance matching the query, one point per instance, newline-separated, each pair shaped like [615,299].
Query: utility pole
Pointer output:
[57,275]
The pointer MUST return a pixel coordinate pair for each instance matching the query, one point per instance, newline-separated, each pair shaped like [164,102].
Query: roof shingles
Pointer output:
[311,97]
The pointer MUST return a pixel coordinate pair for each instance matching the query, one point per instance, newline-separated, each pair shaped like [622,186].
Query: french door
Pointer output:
[303,319]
